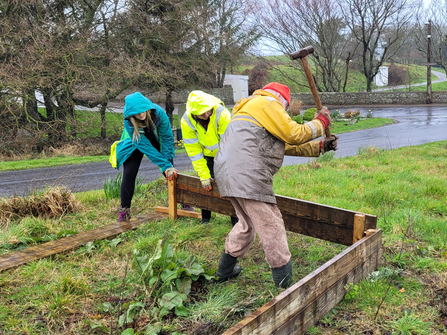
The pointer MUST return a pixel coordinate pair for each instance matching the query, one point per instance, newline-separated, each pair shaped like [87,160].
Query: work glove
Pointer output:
[206,184]
[170,173]
[324,116]
[328,144]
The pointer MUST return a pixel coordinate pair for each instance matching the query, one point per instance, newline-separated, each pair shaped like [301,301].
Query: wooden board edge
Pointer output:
[180,212]
[315,310]
[55,247]
[259,318]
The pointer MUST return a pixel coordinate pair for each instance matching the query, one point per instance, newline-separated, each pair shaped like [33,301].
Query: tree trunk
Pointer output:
[102,112]
[169,104]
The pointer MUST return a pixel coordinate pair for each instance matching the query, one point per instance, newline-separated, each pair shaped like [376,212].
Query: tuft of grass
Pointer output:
[410,324]
[54,202]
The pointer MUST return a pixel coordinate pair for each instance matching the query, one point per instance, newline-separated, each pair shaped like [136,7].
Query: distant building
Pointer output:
[381,78]
[239,84]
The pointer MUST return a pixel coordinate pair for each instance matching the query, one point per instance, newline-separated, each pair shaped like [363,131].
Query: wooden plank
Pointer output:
[292,305]
[208,202]
[322,230]
[359,227]
[172,198]
[313,312]
[180,212]
[304,217]
[72,242]
[322,213]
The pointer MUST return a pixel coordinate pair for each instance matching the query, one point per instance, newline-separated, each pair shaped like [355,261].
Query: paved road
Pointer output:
[414,125]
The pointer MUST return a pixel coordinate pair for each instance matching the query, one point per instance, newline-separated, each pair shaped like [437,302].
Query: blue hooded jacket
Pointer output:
[136,103]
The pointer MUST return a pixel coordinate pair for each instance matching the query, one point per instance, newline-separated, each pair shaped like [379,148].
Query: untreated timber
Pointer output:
[298,308]
[73,242]
[304,217]
[180,212]
[172,198]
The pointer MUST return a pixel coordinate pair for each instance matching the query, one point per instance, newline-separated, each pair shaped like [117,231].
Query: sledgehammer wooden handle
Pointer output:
[302,55]
[313,88]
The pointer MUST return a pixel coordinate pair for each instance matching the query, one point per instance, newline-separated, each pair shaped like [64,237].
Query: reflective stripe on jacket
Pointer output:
[200,142]
[253,147]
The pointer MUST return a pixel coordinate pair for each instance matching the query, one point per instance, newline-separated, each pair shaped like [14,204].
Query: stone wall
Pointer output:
[371,98]
[225,94]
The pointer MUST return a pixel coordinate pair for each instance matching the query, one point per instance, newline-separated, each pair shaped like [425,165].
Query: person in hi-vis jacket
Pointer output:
[203,123]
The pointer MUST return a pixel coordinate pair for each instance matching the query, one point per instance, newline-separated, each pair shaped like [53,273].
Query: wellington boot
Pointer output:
[283,276]
[227,268]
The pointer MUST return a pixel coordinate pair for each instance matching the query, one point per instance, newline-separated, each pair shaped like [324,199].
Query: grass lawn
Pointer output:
[102,288]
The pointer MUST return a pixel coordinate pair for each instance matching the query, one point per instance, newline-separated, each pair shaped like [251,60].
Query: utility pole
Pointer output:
[429,100]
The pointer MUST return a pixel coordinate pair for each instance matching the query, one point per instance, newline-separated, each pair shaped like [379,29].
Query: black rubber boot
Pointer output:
[283,276]
[227,268]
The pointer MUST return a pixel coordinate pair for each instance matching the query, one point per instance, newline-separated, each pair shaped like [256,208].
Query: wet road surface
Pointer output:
[414,125]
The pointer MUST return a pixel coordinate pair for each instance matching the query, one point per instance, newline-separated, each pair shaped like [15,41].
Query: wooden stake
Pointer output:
[172,198]
[359,227]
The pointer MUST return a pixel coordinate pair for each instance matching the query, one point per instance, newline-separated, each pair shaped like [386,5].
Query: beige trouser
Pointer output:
[264,219]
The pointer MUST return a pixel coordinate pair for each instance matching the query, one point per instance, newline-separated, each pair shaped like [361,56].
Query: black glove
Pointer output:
[328,144]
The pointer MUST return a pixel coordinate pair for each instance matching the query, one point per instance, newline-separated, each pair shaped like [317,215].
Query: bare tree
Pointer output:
[293,24]
[437,14]
[381,28]
[224,34]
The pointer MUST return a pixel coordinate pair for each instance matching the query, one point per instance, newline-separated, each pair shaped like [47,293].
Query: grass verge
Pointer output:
[96,289]
[337,128]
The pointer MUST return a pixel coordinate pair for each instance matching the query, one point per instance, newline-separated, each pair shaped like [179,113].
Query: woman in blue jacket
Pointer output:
[147,131]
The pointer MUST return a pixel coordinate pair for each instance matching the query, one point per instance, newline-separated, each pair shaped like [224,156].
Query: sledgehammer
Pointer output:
[302,55]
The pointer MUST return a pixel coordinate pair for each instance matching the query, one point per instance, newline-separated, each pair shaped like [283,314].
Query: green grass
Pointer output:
[406,188]
[435,87]
[49,162]
[338,128]
[345,127]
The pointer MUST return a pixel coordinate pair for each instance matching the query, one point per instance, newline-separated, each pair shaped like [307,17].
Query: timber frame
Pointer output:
[299,307]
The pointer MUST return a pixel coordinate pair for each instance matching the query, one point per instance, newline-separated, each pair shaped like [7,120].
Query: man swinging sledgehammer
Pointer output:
[251,151]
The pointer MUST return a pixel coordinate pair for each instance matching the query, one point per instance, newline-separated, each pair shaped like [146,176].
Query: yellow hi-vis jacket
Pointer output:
[198,141]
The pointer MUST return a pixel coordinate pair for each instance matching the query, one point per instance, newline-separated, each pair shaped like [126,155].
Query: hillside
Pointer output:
[286,71]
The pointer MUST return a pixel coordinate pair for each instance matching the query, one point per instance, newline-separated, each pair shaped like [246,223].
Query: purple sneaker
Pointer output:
[124,214]
[188,208]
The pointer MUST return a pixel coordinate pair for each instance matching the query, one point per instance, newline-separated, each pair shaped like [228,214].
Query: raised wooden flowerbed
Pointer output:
[298,308]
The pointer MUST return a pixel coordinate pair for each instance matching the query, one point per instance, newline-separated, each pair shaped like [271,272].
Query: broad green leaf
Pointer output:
[107,307]
[181,311]
[128,331]
[152,281]
[153,329]
[163,312]
[131,312]
[122,319]
[113,243]
[171,300]
[195,269]
[183,285]
[99,325]
[168,275]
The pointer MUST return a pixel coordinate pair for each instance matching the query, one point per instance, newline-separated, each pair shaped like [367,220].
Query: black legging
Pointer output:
[130,171]
[210,163]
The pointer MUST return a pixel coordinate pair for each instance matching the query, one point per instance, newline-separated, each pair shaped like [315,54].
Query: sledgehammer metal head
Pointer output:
[302,52]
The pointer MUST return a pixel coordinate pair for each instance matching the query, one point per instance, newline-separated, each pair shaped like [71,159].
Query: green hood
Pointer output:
[136,103]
